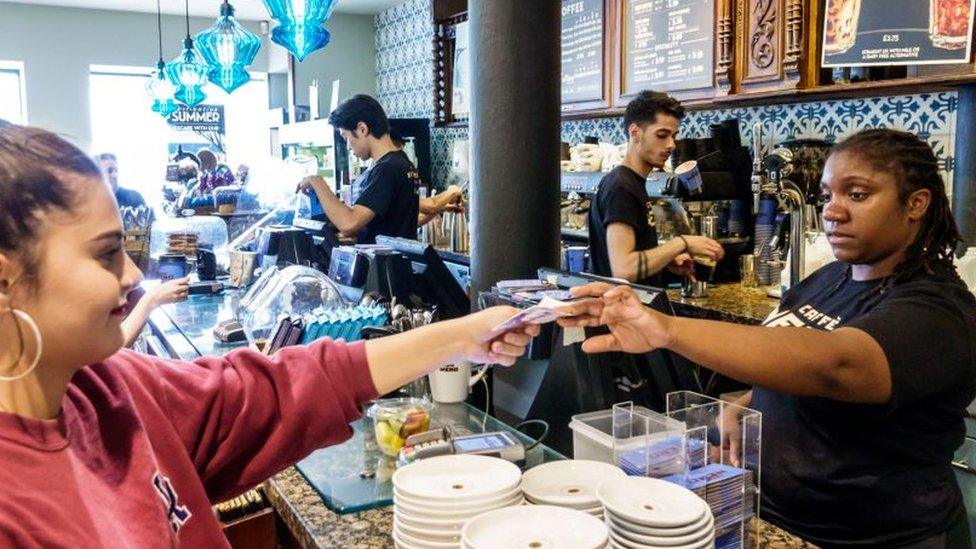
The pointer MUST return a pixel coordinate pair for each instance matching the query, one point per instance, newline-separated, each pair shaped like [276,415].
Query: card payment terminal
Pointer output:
[439,442]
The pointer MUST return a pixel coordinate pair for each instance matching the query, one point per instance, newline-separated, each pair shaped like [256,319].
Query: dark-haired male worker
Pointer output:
[623,244]
[385,198]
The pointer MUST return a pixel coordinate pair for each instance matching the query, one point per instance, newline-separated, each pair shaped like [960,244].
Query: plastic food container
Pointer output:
[593,434]
[395,419]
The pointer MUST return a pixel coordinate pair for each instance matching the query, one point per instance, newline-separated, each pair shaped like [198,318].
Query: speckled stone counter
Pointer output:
[728,302]
[316,526]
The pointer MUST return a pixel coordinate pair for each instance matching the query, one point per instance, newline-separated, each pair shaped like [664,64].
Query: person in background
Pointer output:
[109,165]
[430,207]
[864,372]
[104,447]
[142,303]
[385,198]
[623,244]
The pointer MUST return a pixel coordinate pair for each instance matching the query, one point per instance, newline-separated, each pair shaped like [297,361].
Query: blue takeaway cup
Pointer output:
[690,176]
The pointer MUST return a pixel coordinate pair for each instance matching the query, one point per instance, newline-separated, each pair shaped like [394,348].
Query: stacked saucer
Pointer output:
[569,483]
[646,512]
[535,527]
[434,497]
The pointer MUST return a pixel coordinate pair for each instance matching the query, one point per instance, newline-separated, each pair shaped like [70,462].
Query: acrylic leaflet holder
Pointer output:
[692,445]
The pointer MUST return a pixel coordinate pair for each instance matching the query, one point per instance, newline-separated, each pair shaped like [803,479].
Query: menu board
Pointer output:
[897,32]
[669,45]
[582,50]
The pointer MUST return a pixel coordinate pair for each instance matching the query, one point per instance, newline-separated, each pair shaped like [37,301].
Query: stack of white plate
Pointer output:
[569,483]
[535,527]
[434,497]
[646,512]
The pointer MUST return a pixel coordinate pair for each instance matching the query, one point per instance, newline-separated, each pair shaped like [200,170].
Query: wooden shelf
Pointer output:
[875,88]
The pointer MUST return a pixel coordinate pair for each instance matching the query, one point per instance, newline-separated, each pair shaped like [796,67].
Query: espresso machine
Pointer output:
[720,207]
[577,191]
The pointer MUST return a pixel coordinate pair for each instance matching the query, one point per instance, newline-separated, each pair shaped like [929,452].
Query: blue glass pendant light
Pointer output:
[159,88]
[188,72]
[228,49]
[300,24]
[161,91]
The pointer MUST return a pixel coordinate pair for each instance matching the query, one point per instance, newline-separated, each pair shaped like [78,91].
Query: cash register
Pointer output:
[410,271]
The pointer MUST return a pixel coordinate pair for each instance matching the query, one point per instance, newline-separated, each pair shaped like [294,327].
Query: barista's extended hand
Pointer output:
[633,327]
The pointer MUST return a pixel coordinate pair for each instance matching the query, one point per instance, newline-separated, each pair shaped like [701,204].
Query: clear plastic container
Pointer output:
[184,235]
[395,419]
[593,433]
[293,292]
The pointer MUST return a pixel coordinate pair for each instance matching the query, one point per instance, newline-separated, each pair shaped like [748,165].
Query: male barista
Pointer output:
[385,199]
[623,244]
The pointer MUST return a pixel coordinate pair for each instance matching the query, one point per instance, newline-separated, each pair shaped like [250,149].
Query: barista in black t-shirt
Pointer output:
[623,244]
[385,198]
[864,373]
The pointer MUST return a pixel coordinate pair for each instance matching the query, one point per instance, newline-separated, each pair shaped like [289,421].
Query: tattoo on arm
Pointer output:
[641,266]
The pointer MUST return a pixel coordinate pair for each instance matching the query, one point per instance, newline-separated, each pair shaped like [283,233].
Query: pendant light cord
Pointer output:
[187,18]
[159,27]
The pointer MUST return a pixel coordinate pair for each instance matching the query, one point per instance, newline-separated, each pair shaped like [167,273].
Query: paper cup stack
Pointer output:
[645,512]
[571,483]
[535,527]
[433,498]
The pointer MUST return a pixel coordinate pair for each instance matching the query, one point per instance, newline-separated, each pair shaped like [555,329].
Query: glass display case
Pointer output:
[184,235]
[290,292]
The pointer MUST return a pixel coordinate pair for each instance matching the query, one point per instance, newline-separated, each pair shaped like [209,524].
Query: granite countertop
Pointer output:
[314,525]
[729,302]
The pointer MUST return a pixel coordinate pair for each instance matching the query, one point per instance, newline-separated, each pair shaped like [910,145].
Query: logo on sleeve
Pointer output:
[177,514]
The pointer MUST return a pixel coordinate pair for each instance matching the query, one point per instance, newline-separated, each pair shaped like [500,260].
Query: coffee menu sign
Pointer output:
[897,32]
[669,45]
[582,51]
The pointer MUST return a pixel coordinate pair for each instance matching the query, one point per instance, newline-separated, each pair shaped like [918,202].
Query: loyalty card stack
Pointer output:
[729,492]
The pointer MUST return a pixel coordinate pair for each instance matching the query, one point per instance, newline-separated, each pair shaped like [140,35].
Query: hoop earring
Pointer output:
[37,336]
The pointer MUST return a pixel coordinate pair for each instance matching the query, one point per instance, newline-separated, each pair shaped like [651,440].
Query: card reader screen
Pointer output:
[479,444]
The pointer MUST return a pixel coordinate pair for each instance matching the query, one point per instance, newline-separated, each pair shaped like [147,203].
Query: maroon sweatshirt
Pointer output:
[145,446]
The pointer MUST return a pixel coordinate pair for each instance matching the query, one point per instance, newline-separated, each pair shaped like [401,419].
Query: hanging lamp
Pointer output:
[300,22]
[228,49]
[159,88]
[188,72]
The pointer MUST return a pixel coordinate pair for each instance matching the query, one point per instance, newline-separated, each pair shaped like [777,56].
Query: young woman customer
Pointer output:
[863,373]
[101,446]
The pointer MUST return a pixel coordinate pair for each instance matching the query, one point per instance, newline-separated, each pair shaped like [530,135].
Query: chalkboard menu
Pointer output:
[582,51]
[669,45]
[897,32]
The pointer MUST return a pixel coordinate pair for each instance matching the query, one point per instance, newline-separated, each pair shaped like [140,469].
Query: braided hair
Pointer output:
[914,167]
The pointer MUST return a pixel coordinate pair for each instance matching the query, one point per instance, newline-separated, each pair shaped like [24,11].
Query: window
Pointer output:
[124,124]
[13,105]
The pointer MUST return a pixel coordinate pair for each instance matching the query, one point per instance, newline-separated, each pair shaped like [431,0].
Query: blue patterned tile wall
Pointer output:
[404,67]
[930,116]
[404,76]
[405,60]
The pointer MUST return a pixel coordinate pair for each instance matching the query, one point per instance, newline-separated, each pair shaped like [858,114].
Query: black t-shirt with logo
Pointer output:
[859,475]
[620,198]
[390,188]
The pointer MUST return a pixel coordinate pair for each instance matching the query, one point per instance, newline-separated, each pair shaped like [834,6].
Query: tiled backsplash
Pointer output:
[930,116]
[404,81]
